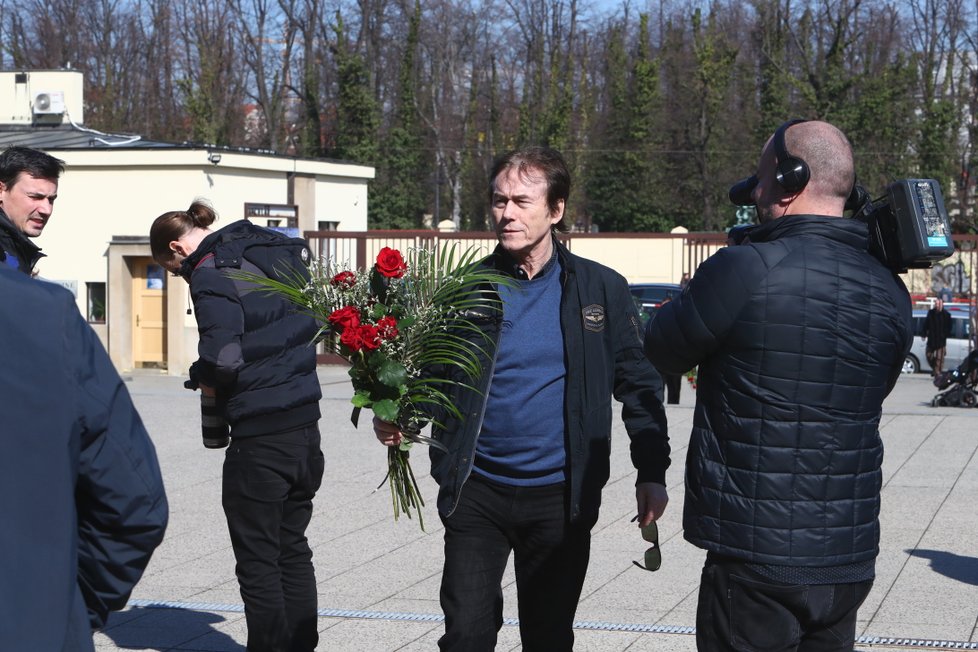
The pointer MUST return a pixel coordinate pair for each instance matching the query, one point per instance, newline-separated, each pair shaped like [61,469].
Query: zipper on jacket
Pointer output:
[482,416]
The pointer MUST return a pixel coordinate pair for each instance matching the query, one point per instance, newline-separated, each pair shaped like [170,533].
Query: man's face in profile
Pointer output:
[29,202]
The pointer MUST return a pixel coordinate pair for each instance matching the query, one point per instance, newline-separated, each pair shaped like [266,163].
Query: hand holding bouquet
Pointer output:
[394,323]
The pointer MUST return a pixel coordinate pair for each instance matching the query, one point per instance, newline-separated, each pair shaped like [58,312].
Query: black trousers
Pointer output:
[741,610]
[674,384]
[550,558]
[269,484]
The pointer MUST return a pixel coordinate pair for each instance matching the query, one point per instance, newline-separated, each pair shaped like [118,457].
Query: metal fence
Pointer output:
[358,249]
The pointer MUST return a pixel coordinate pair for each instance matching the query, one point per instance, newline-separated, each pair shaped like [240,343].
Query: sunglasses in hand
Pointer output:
[653,556]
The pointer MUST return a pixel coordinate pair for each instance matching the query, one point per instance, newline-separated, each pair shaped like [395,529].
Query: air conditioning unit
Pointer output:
[49,103]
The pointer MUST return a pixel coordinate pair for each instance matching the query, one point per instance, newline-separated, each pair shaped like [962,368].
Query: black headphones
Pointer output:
[792,173]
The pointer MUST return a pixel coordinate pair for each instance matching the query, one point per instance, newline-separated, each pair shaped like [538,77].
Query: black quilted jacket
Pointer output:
[255,348]
[799,336]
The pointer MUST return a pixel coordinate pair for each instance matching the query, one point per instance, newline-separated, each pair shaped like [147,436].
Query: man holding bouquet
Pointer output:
[523,468]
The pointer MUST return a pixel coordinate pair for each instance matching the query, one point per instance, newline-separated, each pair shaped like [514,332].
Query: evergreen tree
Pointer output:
[356,109]
[770,31]
[397,196]
[715,57]
[621,179]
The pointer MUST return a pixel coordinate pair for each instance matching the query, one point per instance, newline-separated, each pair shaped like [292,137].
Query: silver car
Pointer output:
[958,343]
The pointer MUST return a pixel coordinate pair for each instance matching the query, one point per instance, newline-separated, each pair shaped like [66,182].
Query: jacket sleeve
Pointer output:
[638,387]
[220,325]
[905,307]
[691,327]
[119,497]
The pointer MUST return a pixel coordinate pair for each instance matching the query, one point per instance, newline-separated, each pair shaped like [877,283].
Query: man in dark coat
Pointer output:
[799,335]
[522,472]
[937,328]
[28,188]
[82,505]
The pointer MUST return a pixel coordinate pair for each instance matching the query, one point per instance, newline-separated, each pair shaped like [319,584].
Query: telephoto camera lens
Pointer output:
[213,427]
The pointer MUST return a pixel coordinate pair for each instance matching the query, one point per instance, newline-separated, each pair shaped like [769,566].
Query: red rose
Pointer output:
[387,327]
[352,339]
[345,318]
[344,280]
[370,336]
[390,263]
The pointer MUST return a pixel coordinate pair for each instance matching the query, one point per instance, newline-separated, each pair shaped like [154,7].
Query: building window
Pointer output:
[96,302]
[328,226]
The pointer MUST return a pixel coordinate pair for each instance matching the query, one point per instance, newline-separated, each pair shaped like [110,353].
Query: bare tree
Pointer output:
[267,38]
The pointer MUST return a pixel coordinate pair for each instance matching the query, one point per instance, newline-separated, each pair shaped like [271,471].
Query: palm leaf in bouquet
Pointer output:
[408,329]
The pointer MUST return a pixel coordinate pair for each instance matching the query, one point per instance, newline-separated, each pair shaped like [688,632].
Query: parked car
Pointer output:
[651,295]
[958,343]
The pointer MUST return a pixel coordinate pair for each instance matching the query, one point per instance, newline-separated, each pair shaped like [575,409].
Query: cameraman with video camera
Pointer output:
[799,333]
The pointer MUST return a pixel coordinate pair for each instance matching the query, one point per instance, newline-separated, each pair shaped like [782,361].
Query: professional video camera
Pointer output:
[909,227]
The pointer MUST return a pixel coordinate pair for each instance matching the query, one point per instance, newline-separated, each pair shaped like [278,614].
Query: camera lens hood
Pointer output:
[740,192]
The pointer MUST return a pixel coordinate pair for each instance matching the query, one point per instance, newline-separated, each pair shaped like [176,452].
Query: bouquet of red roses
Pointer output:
[392,323]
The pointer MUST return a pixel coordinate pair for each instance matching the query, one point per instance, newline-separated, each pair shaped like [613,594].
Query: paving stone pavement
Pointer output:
[378,579]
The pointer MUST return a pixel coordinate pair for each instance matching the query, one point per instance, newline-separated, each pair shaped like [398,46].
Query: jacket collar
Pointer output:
[845,231]
[502,261]
[30,252]
[203,250]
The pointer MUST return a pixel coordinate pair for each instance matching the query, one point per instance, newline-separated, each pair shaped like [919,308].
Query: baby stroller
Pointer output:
[958,384]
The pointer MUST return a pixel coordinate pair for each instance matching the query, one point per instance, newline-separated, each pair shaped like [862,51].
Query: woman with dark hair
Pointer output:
[256,359]
[176,235]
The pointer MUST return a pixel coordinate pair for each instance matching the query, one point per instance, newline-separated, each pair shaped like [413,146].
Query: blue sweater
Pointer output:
[522,437]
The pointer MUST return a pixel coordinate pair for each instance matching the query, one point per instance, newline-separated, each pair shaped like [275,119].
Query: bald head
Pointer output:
[829,156]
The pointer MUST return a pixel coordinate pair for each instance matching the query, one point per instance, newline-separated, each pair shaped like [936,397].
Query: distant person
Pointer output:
[524,471]
[82,505]
[28,188]
[258,362]
[798,335]
[937,328]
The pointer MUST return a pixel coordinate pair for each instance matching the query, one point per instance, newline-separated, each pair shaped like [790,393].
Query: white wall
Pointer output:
[344,201]
[107,193]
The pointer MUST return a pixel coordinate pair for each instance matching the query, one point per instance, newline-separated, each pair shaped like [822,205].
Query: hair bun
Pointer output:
[201,214]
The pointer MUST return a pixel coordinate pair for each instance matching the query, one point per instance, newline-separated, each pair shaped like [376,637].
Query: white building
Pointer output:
[114,186]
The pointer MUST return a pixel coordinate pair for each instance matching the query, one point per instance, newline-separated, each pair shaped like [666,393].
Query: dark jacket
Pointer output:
[603,354]
[799,336]
[16,249]
[256,348]
[82,505]
[937,328]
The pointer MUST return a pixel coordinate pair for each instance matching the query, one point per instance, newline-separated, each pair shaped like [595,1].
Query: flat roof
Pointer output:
[75,138]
